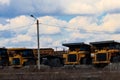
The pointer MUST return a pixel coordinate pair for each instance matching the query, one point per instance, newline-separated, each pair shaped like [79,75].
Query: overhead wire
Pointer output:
[75,29]
[17,27]
[72,29]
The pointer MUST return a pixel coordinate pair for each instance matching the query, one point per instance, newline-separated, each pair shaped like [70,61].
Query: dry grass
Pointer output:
[64,73]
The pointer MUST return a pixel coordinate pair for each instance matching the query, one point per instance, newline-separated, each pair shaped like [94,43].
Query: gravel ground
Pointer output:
[111,72]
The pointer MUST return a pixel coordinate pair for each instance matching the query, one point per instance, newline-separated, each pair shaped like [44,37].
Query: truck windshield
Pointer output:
[16,61]
[3,52]
[27,53]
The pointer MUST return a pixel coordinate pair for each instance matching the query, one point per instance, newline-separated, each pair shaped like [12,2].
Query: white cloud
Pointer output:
[87,29]
[2,27]
[53,31]
[83,23]
[89,7]
[47,6]
[4,42]
[4,2]
[79,7]
[49,30]
[82,29]
[20,21]
[111,22]
[106,5]
[52,21]
[21,38]
[26,32]
[59,7]
[50,25]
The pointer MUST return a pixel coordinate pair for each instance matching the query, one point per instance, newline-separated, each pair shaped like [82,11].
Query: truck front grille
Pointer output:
[16,61]
[72,58]
[101,57]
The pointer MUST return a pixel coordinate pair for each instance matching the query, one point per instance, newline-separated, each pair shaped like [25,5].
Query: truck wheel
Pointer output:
[55,62]
[115,59]
[83,61]
[30,62]
[101,65]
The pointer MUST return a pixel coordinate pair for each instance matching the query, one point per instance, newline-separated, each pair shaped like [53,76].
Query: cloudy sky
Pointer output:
[61,21]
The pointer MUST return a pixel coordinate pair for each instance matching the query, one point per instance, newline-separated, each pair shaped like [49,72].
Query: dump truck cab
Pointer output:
[19,57]
[78,53]
[4,60]
[105,52]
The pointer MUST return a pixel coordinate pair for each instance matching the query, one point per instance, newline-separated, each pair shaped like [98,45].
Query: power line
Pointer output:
[17,27]
[65,27]
[77,29]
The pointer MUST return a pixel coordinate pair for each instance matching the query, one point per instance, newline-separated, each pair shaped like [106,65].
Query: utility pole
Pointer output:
[56,49]
[38,42]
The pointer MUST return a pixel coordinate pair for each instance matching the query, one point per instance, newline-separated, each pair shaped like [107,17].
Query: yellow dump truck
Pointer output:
[78,53]
[19,57]
[105,52]
[49,57]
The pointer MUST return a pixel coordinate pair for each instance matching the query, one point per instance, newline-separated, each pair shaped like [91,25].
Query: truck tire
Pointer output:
[55,62]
